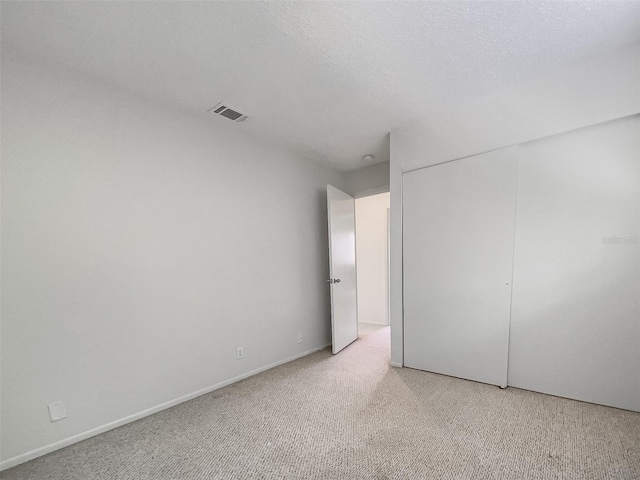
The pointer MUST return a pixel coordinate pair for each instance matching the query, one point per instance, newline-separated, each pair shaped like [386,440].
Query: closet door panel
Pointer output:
[575,328]
[458,230]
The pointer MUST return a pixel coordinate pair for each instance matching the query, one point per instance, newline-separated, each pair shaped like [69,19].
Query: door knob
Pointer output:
[336,280]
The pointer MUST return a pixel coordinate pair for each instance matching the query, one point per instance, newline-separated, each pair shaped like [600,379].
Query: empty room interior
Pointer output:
[326,240]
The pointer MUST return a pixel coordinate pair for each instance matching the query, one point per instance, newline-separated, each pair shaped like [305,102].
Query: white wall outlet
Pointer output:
[240,353]
[57,411]
[299,338]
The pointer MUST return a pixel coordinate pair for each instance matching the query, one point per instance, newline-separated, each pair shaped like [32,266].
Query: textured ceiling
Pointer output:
[327,80]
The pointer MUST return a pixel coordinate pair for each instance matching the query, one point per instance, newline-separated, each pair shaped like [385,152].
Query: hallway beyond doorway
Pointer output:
[372,258]
[367,328]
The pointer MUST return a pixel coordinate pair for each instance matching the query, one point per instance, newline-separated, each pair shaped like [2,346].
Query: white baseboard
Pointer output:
[395,364]
[38,452]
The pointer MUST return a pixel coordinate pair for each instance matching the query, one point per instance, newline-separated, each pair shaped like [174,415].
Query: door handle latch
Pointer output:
[333,280]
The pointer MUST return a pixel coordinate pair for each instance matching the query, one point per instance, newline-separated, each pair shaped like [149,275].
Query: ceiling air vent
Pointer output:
[229,113]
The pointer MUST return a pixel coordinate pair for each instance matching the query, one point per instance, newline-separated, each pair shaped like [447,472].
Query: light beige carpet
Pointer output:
[367,328]
[352,416]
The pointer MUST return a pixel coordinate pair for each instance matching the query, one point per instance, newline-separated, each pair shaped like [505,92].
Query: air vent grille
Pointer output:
[229,113]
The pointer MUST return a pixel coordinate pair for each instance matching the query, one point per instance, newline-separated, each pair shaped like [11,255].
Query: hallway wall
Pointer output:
[371,258]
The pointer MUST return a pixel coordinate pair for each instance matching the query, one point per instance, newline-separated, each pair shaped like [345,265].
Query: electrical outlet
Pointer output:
[240,353]
[57,411]
[299,338]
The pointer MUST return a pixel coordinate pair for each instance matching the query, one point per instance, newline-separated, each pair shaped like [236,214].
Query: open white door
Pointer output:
[342,268]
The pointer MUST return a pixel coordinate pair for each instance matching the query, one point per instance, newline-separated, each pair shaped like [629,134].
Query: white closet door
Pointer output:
[458,230]
[575,328]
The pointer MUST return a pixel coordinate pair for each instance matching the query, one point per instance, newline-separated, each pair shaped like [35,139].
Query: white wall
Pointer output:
[598,90]
[140,246]
[594,91]
[371,257]
[396,299]
[368,180]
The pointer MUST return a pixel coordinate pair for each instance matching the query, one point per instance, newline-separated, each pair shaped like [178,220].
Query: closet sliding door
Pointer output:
[575,328]
[458,231]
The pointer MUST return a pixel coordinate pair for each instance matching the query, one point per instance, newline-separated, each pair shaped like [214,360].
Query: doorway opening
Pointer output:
[372,262]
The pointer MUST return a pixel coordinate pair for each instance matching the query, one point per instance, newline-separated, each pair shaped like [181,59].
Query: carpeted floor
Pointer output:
[352,416]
